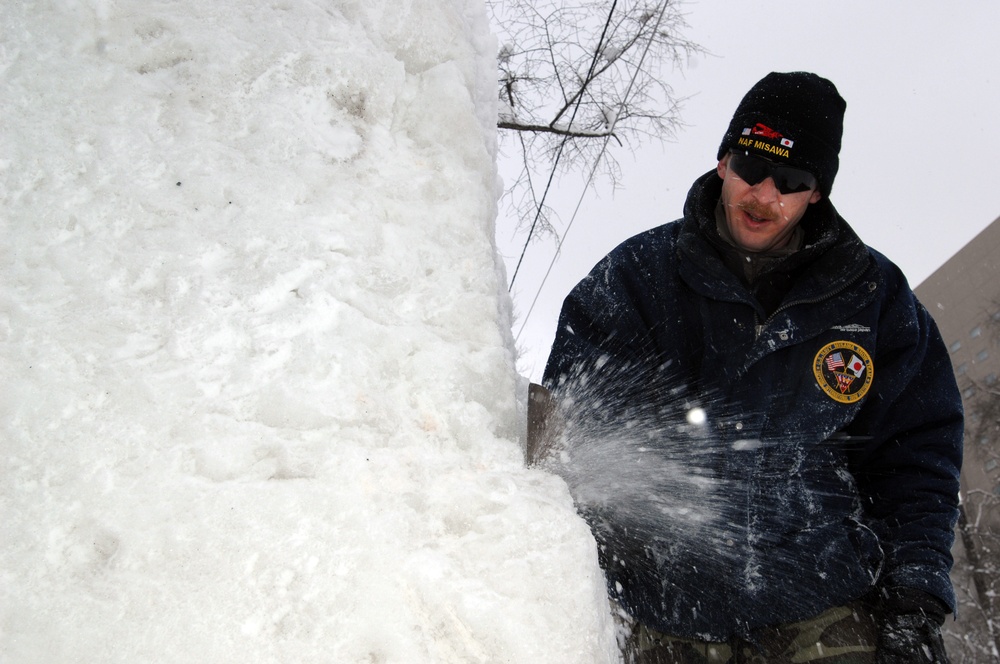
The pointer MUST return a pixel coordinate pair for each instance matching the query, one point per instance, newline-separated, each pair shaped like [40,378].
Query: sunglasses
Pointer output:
[753,169]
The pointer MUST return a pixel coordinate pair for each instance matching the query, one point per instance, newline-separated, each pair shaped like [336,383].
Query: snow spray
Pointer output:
[636,450]
[673,503]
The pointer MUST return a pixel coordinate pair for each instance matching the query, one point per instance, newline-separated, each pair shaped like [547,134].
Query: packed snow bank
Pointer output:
[259,402]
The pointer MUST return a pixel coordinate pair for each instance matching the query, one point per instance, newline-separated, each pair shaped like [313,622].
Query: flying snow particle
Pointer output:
[696,416]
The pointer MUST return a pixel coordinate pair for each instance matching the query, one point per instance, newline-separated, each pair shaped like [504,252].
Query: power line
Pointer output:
[590,178]
[562,144]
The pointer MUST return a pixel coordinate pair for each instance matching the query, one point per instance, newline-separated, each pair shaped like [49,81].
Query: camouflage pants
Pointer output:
[841,635]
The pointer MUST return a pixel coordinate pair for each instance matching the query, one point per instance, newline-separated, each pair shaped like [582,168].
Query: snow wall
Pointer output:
[259,402]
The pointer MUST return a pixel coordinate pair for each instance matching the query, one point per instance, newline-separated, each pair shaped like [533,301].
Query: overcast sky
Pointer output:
[921,142]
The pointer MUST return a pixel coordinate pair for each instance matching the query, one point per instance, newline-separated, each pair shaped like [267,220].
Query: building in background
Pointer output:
[963,295]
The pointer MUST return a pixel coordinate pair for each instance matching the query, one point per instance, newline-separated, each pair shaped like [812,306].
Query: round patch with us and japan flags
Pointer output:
[844,371]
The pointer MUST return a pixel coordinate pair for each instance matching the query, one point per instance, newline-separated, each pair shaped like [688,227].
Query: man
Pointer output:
[834,431]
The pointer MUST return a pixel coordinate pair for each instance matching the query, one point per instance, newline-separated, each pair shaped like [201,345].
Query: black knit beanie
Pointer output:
[795,118]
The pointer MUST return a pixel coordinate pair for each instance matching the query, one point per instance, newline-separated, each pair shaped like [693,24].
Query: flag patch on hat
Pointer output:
[761,129]
[773,142]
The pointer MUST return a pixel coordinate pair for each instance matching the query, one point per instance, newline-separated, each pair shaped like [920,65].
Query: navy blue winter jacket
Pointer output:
[834,437]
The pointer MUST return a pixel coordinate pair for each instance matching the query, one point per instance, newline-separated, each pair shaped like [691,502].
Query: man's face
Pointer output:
[759,217]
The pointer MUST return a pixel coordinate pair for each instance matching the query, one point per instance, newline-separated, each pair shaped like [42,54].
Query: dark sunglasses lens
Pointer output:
[749,169]
[793,180]
[788,180]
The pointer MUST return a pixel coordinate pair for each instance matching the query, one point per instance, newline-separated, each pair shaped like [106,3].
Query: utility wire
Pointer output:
[593,171]
[562,144]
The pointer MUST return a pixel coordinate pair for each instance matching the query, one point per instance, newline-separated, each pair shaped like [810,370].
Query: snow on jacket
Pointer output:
[835,424]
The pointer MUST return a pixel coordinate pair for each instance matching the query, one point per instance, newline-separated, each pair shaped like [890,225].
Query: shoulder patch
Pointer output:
[844,371]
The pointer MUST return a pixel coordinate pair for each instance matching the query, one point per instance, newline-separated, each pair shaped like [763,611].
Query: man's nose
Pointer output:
[766,191]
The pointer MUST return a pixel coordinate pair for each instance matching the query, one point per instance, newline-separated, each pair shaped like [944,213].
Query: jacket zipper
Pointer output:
[759,329]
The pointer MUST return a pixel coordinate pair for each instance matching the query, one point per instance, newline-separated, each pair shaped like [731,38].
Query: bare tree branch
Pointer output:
[547,129]
[979,522]
[572,75]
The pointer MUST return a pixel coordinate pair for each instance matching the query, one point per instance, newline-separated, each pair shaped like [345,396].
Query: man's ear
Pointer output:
[816,196]
[723,166]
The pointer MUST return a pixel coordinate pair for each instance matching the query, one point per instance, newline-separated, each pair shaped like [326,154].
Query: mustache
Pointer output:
[758,210]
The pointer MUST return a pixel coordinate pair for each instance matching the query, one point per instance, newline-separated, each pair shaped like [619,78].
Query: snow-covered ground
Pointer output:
[258,398]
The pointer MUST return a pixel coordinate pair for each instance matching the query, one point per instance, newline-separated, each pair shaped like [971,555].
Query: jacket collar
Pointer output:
[835,254]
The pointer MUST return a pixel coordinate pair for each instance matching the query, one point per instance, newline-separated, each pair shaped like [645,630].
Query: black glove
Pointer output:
[909,628]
